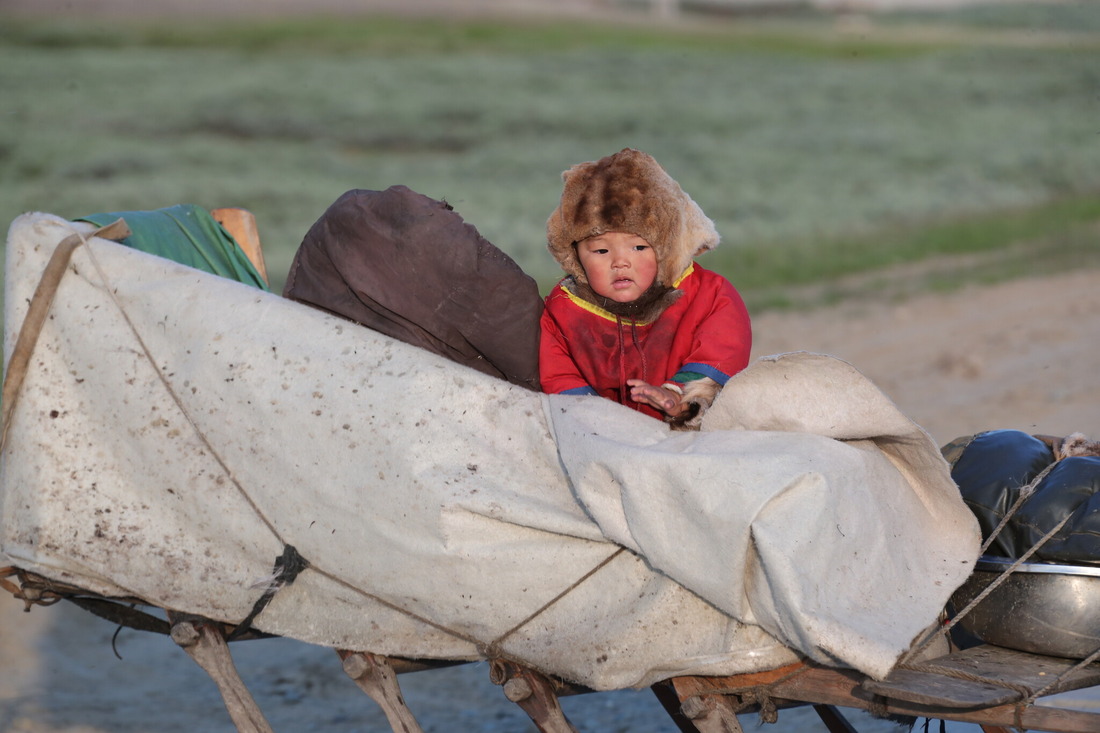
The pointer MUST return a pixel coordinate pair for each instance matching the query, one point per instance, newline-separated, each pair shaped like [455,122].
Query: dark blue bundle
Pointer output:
[996,466]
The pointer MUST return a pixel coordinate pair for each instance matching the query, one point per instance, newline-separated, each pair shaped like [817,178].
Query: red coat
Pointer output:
[584,349]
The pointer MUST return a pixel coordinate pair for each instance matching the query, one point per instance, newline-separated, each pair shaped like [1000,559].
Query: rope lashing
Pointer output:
[290,564]
[945,629]
[493,649]
[39,308]
[761,694]
[201,436]
[287,567]
[1025,494]
[1053,686]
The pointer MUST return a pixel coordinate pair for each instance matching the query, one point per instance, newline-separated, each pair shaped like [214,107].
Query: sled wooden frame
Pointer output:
[986,685]
[993,690]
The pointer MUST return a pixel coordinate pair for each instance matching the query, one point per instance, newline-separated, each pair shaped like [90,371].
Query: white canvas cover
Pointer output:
[177,430]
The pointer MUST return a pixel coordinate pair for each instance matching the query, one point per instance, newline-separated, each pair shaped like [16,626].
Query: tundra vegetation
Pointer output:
[839,155]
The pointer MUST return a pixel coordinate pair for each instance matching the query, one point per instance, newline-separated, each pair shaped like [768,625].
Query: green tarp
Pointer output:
[186,234]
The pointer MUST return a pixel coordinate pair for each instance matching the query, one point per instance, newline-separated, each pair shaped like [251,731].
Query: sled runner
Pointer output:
[250,465]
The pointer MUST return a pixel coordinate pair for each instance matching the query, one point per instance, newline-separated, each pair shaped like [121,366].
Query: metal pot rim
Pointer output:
[1000,564]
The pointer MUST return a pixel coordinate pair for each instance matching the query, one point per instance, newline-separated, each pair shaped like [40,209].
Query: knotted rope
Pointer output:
[1025,693]
[1025,492]
[759,693]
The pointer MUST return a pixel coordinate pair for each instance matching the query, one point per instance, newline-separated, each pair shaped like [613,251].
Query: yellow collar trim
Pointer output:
[608,315]
[690,269]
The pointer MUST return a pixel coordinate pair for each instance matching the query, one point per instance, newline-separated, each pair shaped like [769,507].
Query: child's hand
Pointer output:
[659,398]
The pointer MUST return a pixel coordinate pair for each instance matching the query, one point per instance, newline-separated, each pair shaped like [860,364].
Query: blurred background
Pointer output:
[826,138]
[846,149]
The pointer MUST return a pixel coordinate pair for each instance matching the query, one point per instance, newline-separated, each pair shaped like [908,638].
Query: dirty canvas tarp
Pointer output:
[172,454]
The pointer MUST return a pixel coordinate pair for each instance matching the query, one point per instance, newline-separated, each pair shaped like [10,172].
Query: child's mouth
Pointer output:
[622,283]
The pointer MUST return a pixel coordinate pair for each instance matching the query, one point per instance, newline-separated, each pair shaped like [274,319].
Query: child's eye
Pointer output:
[641,247]
[599,251]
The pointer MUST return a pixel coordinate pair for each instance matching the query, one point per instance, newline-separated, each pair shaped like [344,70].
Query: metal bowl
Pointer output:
[1040,608]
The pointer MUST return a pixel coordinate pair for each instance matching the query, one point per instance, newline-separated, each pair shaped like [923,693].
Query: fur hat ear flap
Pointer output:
[560,234]
[628,192]
[699,234]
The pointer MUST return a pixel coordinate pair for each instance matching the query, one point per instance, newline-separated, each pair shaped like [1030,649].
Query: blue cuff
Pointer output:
[707,371]
[581,390]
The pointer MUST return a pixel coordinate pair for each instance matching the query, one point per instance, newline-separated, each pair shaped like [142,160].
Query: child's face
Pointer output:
[619,266]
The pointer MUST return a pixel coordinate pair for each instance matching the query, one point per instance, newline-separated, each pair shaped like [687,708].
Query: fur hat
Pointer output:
[629,192]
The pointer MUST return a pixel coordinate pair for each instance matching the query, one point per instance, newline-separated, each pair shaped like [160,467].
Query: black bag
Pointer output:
[994,467]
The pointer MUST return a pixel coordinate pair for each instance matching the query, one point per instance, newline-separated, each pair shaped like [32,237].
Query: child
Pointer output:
[635,320]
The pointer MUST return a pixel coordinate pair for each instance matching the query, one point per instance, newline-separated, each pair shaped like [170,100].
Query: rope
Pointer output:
[1027,697]
[37,311]
[946,628]
[1022,690]
[127,616]
[399,609]
[233,479]
[761,694]
[490,650]
[623,391]
[290,563]
[1060,678]
[495,644]
[287,567]
[1025,492]
[641,352]
[758,694]
[179,402]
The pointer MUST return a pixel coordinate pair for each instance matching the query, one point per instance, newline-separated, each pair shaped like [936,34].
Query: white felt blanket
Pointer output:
[176,431]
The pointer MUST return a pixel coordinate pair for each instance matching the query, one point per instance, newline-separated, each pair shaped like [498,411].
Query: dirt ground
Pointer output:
[1020,355]
[1023,355]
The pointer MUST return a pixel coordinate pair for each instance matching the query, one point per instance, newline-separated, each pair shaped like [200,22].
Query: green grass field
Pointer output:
[823,151]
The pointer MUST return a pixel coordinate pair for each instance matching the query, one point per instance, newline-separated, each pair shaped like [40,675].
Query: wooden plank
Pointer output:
[957,680]
[1034,671]
[711,704]
[686,687]
[842,687]
[930,688]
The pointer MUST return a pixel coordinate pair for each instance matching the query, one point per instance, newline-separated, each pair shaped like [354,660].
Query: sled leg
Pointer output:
[834,720]
[534,693]
[670,701]
[693,711]
[375,676]
[205,643]
[712,714]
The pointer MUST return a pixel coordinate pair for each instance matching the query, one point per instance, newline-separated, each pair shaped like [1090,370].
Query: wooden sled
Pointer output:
[986,685]
[993,687]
